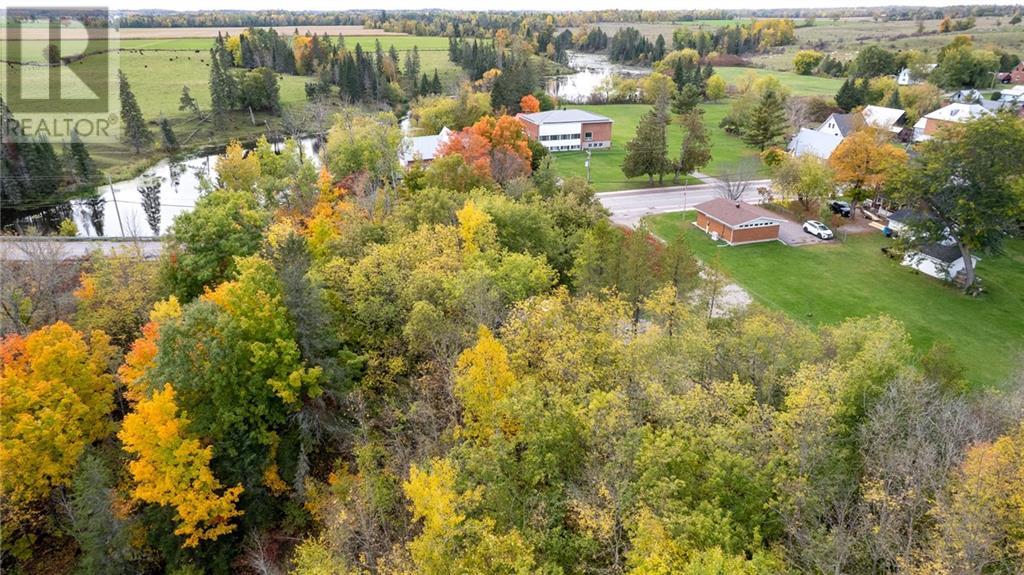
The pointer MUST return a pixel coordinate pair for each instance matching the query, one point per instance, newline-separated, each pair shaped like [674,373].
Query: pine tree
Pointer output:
[186,103]
[848,97]
[223,88]
[766,122]
[646,153]
[424,85]
[149,190]
[686,99]
[894,100]
[695,151]
[134,125]
[435,84]
[170,140]
[80,166]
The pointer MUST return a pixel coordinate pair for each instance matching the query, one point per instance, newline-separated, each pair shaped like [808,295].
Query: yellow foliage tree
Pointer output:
[57,392]
[237,170]
[476,230]
[866,159]
[170,468]
[483,379]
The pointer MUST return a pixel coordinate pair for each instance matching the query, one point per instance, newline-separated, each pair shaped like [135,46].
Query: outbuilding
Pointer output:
[939,260]
[736,222]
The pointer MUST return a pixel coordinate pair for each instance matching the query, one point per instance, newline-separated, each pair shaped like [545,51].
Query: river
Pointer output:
[592,69]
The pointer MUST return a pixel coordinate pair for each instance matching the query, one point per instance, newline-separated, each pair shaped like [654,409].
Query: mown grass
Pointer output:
[798,85]
[606,165]
[826,284]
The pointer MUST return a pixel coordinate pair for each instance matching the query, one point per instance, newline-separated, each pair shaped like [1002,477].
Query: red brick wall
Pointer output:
[532,130]
[709,225]
[1017,75]
[602,131]
[763,234]
[931,126]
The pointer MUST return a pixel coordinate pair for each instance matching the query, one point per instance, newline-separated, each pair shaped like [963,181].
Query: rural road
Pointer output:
[627,207]
[24,249]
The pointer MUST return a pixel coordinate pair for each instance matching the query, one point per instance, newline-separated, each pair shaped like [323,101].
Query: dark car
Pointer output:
[841,208]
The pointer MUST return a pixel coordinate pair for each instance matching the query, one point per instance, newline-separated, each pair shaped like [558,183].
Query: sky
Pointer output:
[545,5]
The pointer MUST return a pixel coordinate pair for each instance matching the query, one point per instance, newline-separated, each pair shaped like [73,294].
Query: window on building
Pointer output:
[588,136]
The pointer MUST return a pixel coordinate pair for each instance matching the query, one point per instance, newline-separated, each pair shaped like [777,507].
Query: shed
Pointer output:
[736,222]
[939,260]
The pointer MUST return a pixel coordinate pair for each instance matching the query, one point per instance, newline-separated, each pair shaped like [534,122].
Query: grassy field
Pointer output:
[797,84]
[158,68]
[606,165]
[827,283]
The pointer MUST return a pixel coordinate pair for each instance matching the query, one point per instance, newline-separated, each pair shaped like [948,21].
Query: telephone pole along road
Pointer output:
[629,206]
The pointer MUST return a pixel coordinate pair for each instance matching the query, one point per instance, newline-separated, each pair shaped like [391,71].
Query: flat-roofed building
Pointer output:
[565,130]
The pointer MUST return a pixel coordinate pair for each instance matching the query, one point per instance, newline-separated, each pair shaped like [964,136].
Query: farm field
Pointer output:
[825,284]
[31,31]
[606,165]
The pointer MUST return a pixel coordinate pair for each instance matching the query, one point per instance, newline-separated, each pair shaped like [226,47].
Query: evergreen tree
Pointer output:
[894,100]
[103,537]
[81,169]
[646,153]
[134,125]
[435,84]
[686,99]
[766,122]
[223,88]
[186,103]
[680,74]
[170,141]
[424,85]
[695,152]
[849,95]
[149,190]
[708,72]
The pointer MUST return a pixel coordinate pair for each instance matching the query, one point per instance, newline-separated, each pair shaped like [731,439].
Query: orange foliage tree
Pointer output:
[496,148]
[864,161]
[529,104]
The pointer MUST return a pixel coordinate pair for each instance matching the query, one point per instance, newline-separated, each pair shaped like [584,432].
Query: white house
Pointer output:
[423,148]
[1012,95]
[841,125]
[815,143]
[907,78]
[938,260]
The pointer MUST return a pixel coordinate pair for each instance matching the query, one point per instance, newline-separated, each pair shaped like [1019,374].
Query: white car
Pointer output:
[816,228]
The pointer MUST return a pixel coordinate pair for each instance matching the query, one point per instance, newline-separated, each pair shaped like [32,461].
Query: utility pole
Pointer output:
[117,210]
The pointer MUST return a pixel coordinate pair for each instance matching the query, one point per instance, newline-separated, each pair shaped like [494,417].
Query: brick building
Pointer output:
[563,130]
[736,222]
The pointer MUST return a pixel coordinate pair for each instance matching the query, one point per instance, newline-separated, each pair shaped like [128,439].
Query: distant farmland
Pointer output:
[38,33]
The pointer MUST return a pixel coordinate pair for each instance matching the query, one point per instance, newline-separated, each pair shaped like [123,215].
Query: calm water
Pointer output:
[180,188]
[592,70]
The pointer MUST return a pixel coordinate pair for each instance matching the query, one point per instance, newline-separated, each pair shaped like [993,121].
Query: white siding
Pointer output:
[558,137]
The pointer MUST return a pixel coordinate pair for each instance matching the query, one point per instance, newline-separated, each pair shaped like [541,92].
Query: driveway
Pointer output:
[791,233]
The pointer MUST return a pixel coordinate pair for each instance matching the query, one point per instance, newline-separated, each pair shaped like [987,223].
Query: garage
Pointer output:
[736,222]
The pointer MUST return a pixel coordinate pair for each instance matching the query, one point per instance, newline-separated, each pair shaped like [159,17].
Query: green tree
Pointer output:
[807,178]
[103,537]
[201,245]
[686,99]
[646,153]
[873,61]
[133,124]
[766,123]
[968,186]
[170,141]
[695,151]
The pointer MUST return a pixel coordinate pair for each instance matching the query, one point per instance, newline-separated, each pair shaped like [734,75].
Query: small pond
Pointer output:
[592,69]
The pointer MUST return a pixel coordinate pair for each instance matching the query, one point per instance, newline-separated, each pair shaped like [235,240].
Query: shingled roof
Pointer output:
[732,213]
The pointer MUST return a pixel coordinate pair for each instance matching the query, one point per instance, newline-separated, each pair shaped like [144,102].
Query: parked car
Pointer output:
[816,228]
[841,208]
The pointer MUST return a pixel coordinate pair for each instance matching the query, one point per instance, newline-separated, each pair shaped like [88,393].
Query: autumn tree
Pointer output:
[172,468]
[236,169]
[116,293]
[807,178]
[864,161]
[806,61]
[529,104]
[58,393]
[969,190]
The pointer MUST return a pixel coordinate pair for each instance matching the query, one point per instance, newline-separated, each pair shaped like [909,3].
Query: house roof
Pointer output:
[732,213]
[814,142]
[425,147]
[944,253]
[563,117]
[882,117]
[845,123]
[958,113]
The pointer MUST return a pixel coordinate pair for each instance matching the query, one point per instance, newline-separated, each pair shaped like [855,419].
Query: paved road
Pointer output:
[23,249]
[627,207]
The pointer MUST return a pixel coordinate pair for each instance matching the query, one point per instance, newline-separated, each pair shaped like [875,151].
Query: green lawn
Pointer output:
[828,283]
[606,165]
[797,84]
